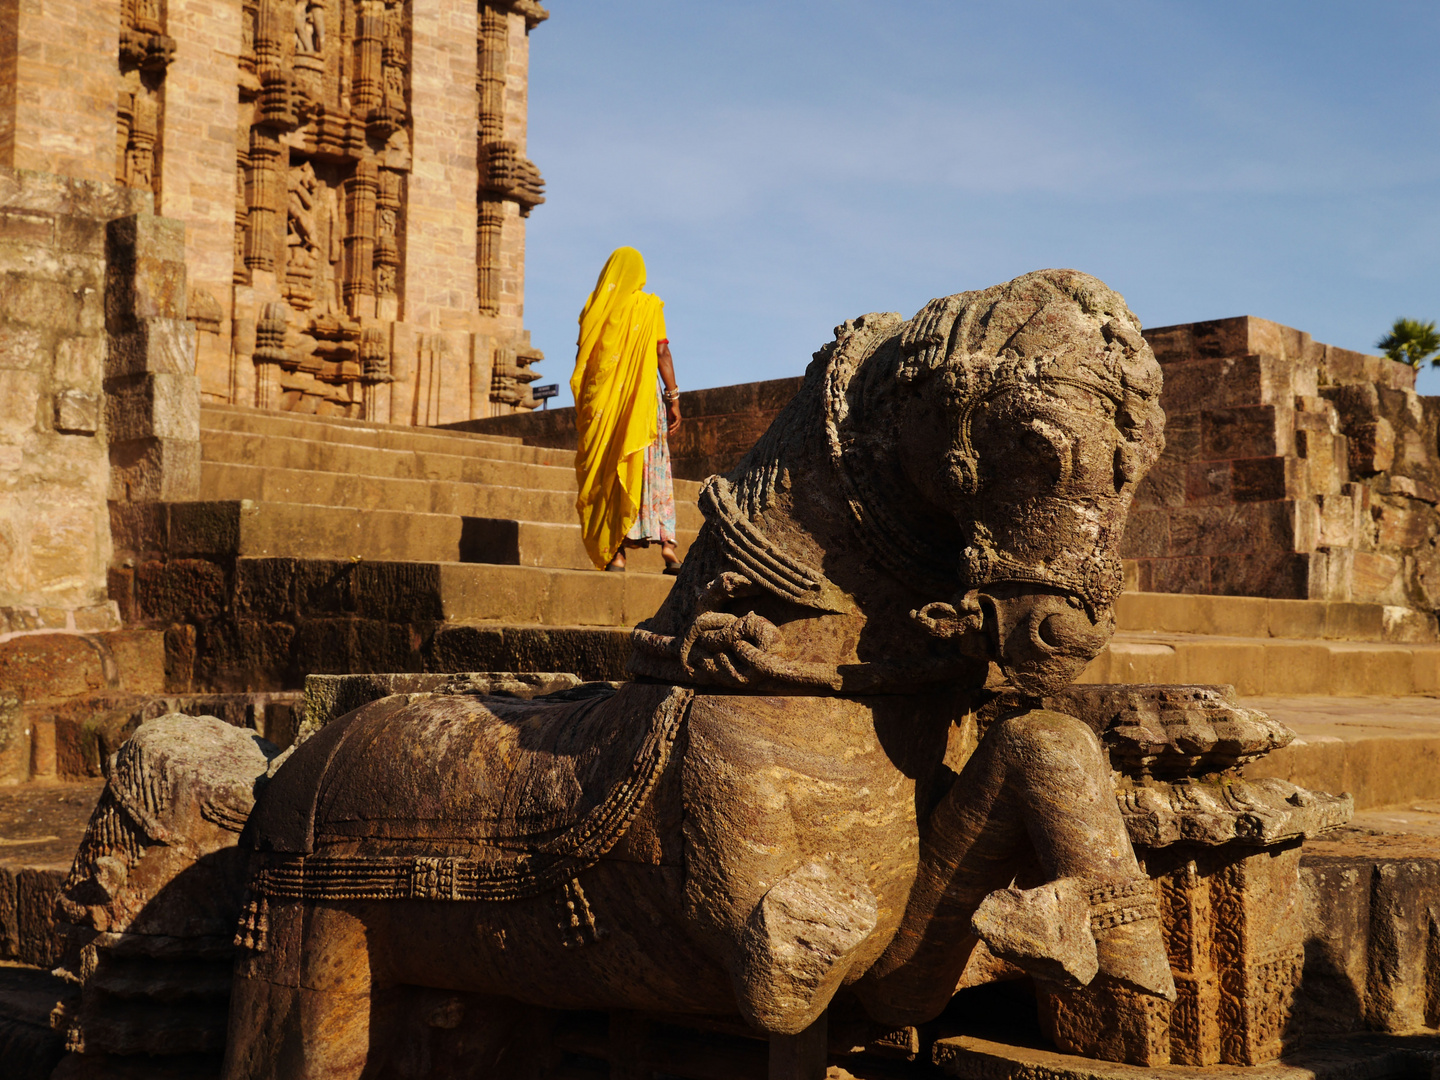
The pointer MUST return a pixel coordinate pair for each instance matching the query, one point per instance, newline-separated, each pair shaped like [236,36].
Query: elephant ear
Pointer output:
[175,767]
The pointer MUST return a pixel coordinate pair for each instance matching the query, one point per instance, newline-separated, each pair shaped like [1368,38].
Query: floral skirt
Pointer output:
[656,519]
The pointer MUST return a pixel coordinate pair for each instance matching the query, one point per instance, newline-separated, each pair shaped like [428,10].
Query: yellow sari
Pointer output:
[614,387]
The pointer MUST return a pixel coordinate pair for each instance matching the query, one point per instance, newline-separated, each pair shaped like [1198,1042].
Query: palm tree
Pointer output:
[1411,341]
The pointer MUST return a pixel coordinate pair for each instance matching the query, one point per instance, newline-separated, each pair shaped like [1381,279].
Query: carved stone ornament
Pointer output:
[850,772]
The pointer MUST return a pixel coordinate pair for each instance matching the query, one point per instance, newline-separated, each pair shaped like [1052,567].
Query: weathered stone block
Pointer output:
[77,413]
[1326,459]
[264,589]
[1372,933]
[1371,447]
[1374,576]
[1179,575]
[1164,485]
[153,405]
[147,236]
[1266,479]
[27,227]
[68,549]
[151,469]
[180,651]
[19,402]
[325,588]
[14,742]
[51,666]
[22,348]
[1207,483]
[81,233]
[80,361]
[164,346]
[139,530]
[48,305]
[1236,527]
[39,940]
[592,653]
[1246,432]
[1147,534]
[204,528]
[243,654]
[180,590]
[398,592]
[340,645]
[1275,574]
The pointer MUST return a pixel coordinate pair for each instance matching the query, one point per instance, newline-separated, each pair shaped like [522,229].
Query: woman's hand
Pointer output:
[672,416]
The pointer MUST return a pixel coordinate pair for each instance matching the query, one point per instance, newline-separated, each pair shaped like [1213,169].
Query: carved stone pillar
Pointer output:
[487,255]
[274,29]
[375,373]
[390,117]
[140,152]
[270,353]
[490,74]
[389,206]
[367,88]
[241,273]
[268,186]
[363,190]
[249,17]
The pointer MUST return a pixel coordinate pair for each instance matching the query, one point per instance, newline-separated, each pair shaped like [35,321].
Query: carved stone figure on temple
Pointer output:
[310,26]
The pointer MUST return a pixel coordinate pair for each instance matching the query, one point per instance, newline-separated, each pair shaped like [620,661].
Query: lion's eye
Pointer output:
[1047,451]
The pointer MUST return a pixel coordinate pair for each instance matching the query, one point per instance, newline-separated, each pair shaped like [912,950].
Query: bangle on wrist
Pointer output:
[671,395]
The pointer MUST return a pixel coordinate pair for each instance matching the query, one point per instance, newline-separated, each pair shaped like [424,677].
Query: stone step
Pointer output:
[538,543]
[1256,617]
[1270,666]
[264,424]
[243,528]
[1385,751]
[481,592]
[305,455]
[226,480]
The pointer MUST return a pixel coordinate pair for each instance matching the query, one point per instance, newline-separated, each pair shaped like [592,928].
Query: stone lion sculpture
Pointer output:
[781,803]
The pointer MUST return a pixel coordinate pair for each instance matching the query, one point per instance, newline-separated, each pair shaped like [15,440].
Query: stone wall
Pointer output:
[54,454]
[720,425]
[57,93]
[1292,470]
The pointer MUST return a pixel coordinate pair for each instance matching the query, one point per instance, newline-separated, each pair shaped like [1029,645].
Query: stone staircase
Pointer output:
[334,546]
[344,488]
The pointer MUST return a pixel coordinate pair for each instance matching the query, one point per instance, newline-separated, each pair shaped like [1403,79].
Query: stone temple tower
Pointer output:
[315,206]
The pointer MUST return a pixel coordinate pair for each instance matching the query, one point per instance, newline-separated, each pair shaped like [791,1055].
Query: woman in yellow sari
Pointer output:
[622,465]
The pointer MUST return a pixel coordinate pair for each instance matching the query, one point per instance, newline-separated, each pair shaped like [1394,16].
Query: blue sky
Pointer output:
[784,166]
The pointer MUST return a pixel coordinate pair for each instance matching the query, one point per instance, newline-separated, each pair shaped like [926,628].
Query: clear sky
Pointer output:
[784,166]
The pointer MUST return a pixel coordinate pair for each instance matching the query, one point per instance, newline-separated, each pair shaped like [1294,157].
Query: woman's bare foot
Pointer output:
[618,562]
[672,559]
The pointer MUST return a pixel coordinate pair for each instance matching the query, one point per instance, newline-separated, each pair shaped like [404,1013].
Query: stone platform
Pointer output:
[1358,1058]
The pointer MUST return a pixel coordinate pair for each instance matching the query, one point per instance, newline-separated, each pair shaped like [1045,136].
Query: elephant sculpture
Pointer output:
[787,798]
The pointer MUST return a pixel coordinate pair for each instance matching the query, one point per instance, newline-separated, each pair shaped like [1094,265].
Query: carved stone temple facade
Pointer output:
[351,176]
[316,206]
